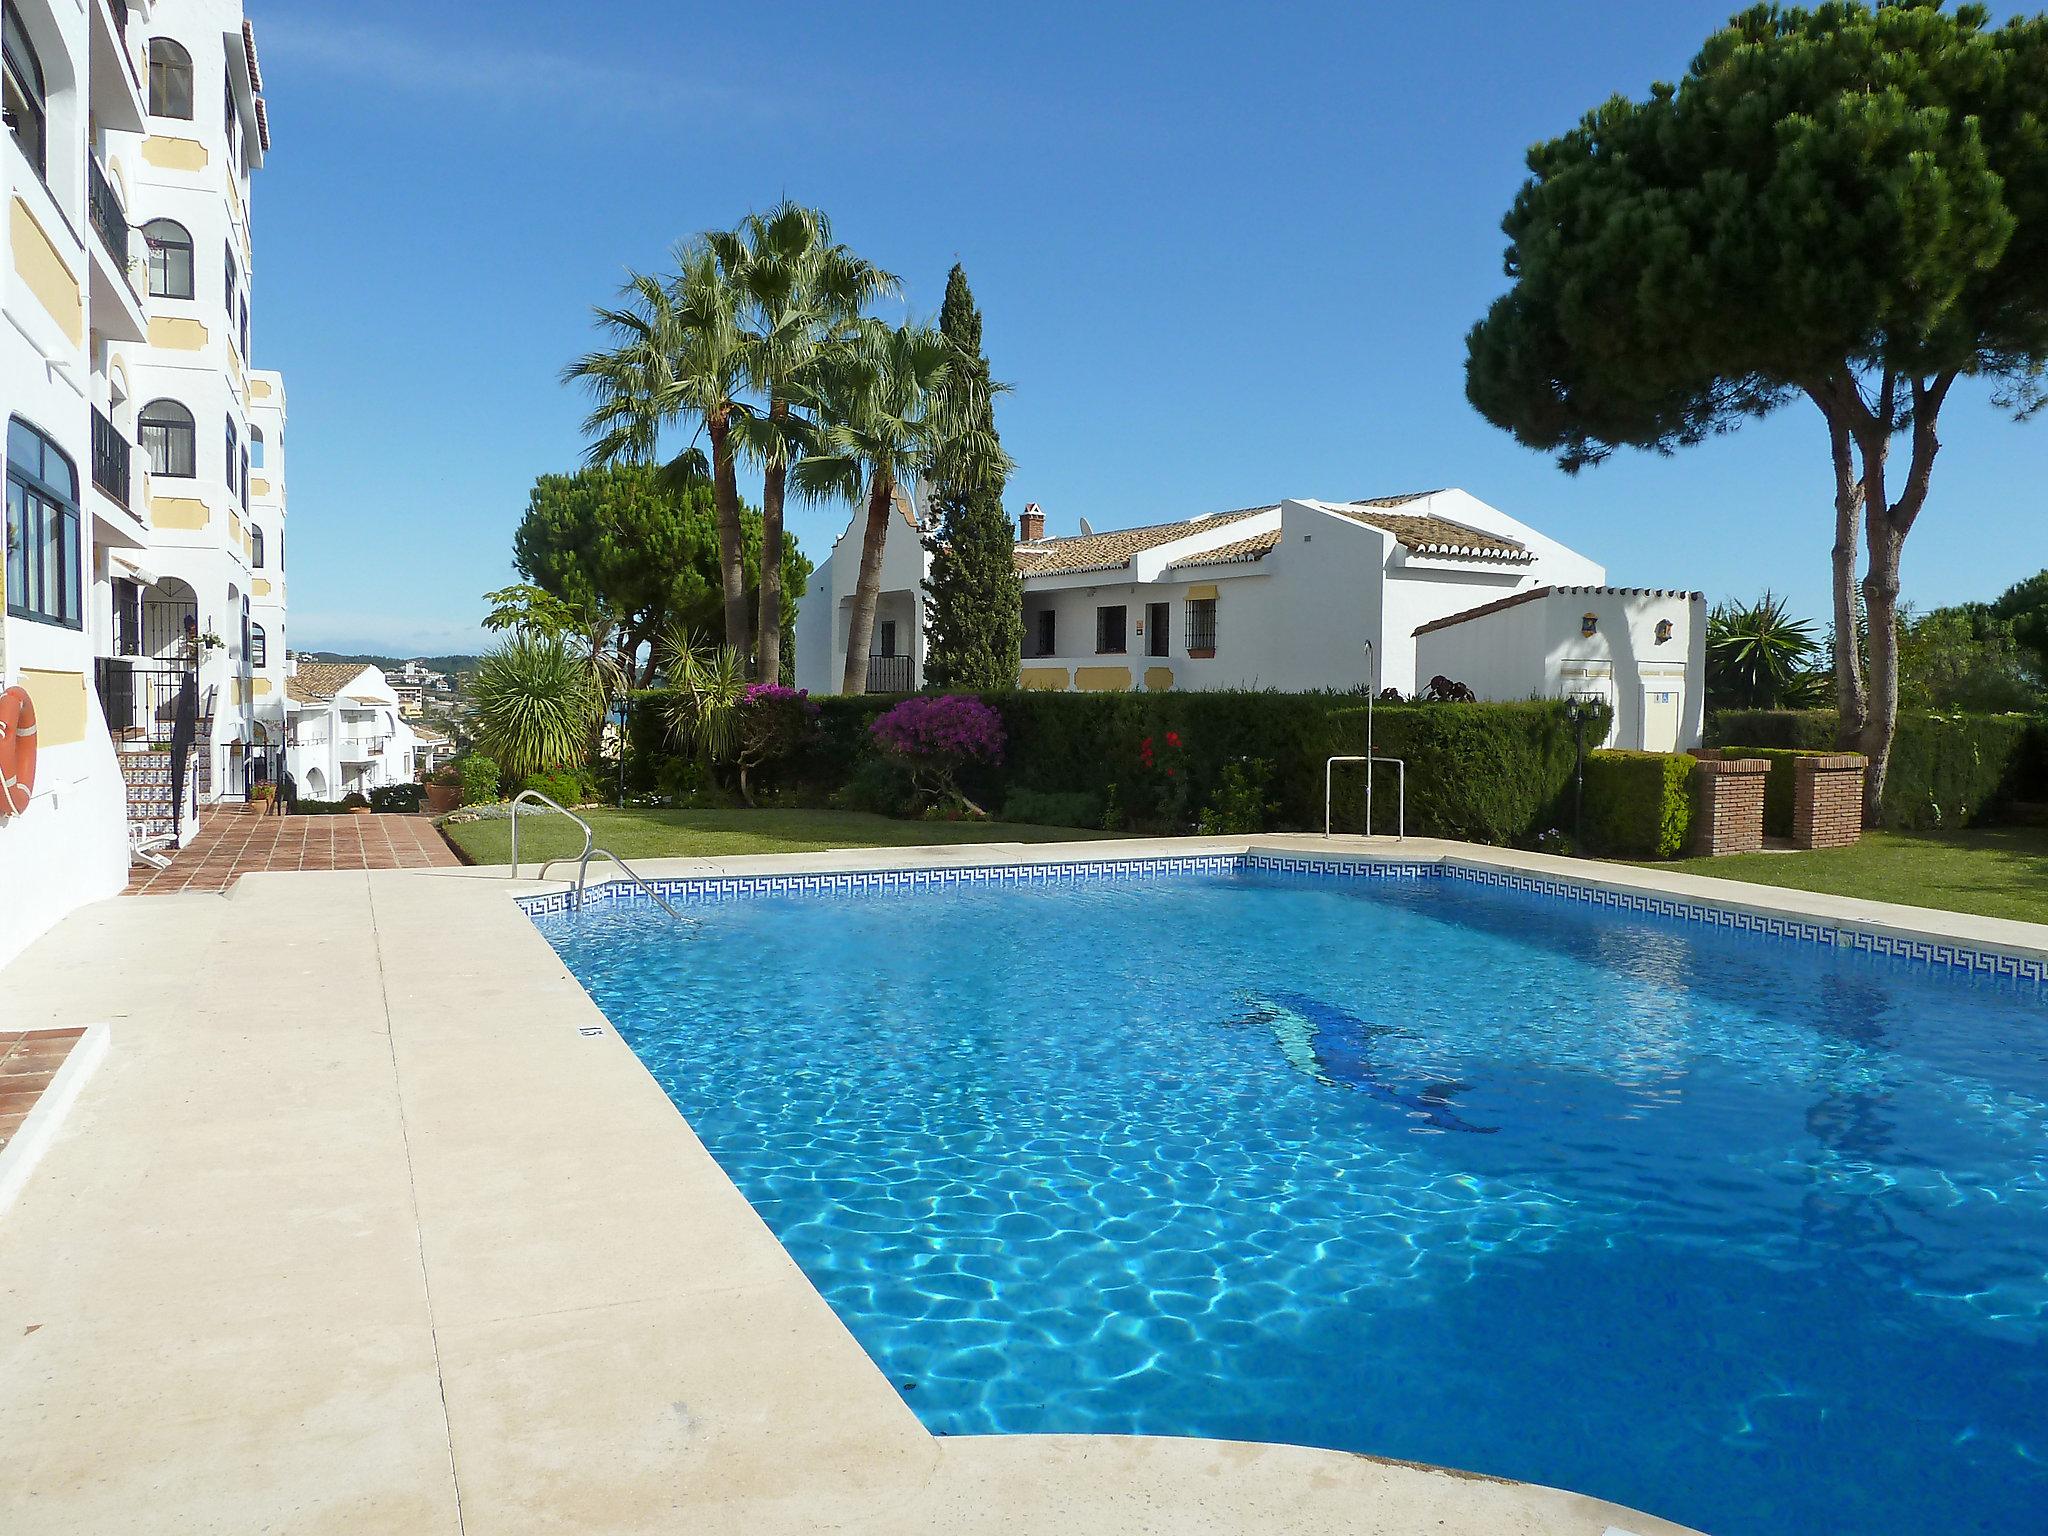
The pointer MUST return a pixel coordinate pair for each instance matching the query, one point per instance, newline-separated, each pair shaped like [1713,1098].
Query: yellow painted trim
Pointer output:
[260,388]
[174,154]
[1197,594]
[184,513]
[60,706]
[234,529]
[176,335]
[262,686]
[1043,679]
[1159,679]
[259,588]
[258,486]
[46,274]
[1102,679]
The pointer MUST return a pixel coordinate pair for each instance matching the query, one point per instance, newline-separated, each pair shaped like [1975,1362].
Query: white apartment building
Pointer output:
[1295,594]
[345,730]
[132,127]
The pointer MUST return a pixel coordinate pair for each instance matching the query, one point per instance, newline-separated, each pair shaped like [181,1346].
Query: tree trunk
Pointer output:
[867,593]
[768,637]
[732,568]
[1886,524]
[1851,699]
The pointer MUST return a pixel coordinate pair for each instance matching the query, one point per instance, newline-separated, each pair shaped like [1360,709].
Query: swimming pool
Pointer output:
[1751,1233]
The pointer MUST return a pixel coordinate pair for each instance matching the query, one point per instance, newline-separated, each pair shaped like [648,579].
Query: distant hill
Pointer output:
[388,663]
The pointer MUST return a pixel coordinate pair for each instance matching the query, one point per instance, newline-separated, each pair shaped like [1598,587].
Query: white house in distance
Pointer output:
[345,733]
[1287,595]
[1641,649]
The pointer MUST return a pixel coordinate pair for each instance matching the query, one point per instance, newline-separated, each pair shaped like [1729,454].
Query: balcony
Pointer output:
[363,749]
[890,674]
[113,467]
[109,218]
[116,307]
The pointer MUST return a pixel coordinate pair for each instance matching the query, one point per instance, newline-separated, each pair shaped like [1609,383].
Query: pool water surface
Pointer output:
[1747,1233]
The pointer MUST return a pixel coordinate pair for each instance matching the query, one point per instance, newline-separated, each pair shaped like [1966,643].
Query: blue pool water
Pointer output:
[1747,1233]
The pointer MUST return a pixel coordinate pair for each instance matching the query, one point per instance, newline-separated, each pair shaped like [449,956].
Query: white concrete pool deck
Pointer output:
[369,1222]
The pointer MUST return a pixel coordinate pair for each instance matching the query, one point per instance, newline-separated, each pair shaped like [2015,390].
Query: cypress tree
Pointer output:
[974,624]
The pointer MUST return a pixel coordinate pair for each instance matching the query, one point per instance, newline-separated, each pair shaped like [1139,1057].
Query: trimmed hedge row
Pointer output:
[1639,805]
[1945,771]
[1493,773]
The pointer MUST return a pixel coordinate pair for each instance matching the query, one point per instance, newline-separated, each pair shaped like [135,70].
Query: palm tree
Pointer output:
[802,292]
[681,355]
[1760,657]
[883,415]
[534,700]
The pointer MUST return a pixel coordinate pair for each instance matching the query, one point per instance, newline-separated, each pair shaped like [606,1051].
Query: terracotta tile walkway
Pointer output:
[28,1060]
[233,842]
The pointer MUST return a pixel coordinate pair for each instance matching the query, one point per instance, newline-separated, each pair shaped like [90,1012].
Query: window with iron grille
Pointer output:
[1109,631]
[1201,626]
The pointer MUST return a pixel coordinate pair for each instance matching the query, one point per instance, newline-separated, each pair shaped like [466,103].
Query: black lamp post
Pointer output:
[1579,708]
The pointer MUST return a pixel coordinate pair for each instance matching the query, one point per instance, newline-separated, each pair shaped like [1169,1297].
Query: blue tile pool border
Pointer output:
[1937,953]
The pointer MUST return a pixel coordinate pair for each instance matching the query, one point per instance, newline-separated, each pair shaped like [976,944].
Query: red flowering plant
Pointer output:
[1163,767]
[935,736]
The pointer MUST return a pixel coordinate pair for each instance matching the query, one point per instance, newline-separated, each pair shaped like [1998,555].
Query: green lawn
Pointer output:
[648,834]
[1994,871]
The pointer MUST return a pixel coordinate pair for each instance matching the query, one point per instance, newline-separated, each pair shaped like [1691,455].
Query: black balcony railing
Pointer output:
[141,697]
[889,674]
[109,218]
[112,459]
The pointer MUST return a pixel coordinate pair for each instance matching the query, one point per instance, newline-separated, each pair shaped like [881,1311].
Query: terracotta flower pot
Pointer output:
[359,810]
[442,798]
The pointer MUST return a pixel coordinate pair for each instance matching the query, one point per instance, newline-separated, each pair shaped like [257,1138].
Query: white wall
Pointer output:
[1537,649]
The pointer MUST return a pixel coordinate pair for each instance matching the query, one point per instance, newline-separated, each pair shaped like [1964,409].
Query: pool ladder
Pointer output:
[590,851]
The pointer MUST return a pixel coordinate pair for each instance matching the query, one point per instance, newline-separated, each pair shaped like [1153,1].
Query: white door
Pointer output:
[1660,717]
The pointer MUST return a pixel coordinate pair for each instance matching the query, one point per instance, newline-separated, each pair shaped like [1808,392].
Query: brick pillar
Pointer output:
[1827,800]
[1730,818]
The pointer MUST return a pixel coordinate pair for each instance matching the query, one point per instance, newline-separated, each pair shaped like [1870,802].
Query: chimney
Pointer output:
[1031,526]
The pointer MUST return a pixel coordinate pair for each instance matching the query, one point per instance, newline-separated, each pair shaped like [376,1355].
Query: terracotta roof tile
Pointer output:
[1113,550]
[1534,593]
[1426,534]
[1253,548]
[318,681]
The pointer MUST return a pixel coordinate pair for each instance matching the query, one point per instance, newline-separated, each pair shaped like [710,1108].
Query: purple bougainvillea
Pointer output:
[938,734]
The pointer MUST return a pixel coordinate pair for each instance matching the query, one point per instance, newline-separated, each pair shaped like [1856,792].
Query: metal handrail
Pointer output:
[582,859]
[1329,777]
[534,794]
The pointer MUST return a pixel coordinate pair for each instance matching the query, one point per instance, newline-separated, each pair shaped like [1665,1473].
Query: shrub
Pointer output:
[355,800]
[1241,802]
[1945,771]
[1781,788]
[305,807]
[402,799]
[1638,804]
[880,786]
[564,786]
[479,778]
[1048,808]
[935,735]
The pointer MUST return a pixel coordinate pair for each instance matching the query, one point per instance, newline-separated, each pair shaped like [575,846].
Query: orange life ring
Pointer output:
[17,751]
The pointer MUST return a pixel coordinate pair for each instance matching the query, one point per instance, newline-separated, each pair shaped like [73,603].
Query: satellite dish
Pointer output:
[1086,527]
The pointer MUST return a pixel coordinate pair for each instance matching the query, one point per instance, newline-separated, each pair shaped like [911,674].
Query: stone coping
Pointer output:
[380,1226]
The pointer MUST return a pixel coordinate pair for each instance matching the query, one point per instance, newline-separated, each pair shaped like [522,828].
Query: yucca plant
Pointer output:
[534,703]
[1760,657]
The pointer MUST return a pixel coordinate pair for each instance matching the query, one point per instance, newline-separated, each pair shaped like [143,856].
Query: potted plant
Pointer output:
[358,804]
[262,794]
[444,790]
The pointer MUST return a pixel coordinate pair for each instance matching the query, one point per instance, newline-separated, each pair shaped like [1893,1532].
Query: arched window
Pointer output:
[255,447]
[255,547]
[234,447]
[170,79]
[42,529]
[259,647]
[171,439]
[170,259]
[24,94]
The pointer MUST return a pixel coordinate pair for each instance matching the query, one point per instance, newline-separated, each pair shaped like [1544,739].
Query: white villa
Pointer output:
[144,584]
[346,733]
[1295,595]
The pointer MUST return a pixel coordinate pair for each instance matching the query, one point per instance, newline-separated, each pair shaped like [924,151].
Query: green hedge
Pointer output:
[1945,771]
[1496,773]
[1639,805]
[1781,788]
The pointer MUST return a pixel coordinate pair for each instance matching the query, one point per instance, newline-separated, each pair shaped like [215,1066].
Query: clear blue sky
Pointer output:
[1222,258]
